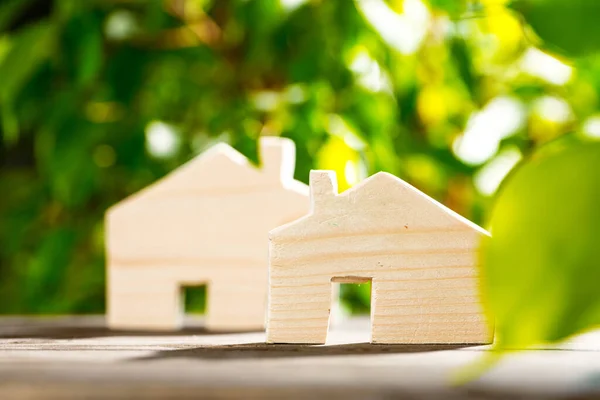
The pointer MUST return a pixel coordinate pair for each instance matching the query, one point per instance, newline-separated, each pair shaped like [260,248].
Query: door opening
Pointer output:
[350,320]
[194,305]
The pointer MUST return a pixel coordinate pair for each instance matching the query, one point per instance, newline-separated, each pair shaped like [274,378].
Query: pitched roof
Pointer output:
[221,168]
[391,193]
[388,180]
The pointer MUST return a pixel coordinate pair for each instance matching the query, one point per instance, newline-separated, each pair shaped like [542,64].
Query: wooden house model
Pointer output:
[419,256]
[205,223]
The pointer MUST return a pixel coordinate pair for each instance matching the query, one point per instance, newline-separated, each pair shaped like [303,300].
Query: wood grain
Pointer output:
[420,257]
[205,223]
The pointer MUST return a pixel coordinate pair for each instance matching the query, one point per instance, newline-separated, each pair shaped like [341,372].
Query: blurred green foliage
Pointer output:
[100,98]
[569,28]
[542,266]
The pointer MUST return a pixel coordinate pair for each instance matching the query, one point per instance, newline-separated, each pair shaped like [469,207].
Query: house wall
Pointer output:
[158,244]
[424,284]
[204,229]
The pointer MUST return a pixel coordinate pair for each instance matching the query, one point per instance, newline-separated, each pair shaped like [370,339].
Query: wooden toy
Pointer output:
[419,256]
[205,223]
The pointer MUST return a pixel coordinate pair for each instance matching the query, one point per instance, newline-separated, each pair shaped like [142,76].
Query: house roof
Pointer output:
[391,193]
[222,169]
[387,179]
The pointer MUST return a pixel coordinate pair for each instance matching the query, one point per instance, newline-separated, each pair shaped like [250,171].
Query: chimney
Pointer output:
[323,188]
[277,157]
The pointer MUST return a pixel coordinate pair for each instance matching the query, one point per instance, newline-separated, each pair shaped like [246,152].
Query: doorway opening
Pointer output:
[350,320]
[194,305]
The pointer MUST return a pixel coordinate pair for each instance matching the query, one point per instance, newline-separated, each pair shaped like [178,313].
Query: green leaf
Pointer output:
[9,10]
[453,7]
[464,64]
[10,123]
[83,46]
[566,27]
[45,273]
[30,47]
[542,264]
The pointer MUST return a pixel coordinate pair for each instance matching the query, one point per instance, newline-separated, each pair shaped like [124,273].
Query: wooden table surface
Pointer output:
[77,357]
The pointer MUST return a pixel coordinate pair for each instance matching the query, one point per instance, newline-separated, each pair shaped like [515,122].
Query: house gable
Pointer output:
[217,198]
[223,170]
[380,203]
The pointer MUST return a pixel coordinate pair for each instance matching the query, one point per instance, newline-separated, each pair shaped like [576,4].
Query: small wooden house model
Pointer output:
[419,256]
[205,223]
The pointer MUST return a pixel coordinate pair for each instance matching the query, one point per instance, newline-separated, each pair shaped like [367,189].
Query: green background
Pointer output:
[100,98]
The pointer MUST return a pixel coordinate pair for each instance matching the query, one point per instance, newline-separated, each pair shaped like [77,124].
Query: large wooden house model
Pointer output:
[205,223]
[419,256]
